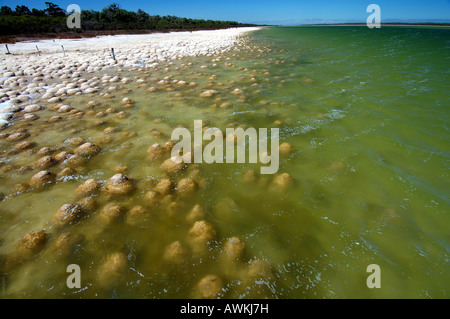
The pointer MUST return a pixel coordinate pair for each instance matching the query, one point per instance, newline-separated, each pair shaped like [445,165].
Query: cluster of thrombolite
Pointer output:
[96,199]
[168,192]
[164,193]
[25,83]
[23,75]
[64,158]
[232,258]
[48,159]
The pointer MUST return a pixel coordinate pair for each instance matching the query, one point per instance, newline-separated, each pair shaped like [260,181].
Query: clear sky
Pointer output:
[284,12]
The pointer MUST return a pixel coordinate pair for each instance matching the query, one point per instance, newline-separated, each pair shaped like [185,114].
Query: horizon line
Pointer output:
[344,21]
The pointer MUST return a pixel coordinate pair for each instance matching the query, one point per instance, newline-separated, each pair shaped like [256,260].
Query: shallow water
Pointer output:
[366,112]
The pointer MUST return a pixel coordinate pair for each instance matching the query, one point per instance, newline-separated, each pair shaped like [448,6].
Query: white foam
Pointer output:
[4,105]
[5,116]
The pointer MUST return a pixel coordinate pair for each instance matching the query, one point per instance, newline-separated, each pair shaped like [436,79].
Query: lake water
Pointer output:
[366,112]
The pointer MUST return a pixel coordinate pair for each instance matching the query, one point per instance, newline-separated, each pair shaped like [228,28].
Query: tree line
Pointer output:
[22,20]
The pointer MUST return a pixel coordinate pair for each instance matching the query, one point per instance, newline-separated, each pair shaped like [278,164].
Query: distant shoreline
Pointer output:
[439,25]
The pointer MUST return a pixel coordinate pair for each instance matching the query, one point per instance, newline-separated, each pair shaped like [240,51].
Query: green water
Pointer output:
[366,112]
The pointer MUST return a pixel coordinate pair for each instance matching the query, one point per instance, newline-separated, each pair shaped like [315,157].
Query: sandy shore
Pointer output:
[28,77]
[210,39]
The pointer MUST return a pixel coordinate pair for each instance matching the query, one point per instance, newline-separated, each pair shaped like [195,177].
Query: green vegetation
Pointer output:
[22,20]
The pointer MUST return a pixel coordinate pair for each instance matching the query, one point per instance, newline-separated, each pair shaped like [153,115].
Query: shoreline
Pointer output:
[17,38]
[382,25]
[29,45]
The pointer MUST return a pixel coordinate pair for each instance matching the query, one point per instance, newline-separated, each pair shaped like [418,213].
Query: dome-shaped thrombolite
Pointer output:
[65,243]
[44,151]
[155,151]
[281,182]
[172,165]
[233,249]
[112,212]
[260,269]
[209,287]
[186,187]
[200,234]
[135,215]
[164,187]
[285,148]
[67,214]
[88,204]
[196,213]
[31,243]
[175,253]
[119,184]
[112,269]
[14,137]
[21,146]
[89,187]
[41,178]
[61,156]
[45,162]
[151,199]
[87,149]
[74,160]
[66,172]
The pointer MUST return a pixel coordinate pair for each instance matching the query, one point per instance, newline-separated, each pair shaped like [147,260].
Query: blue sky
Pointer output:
[284,12]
